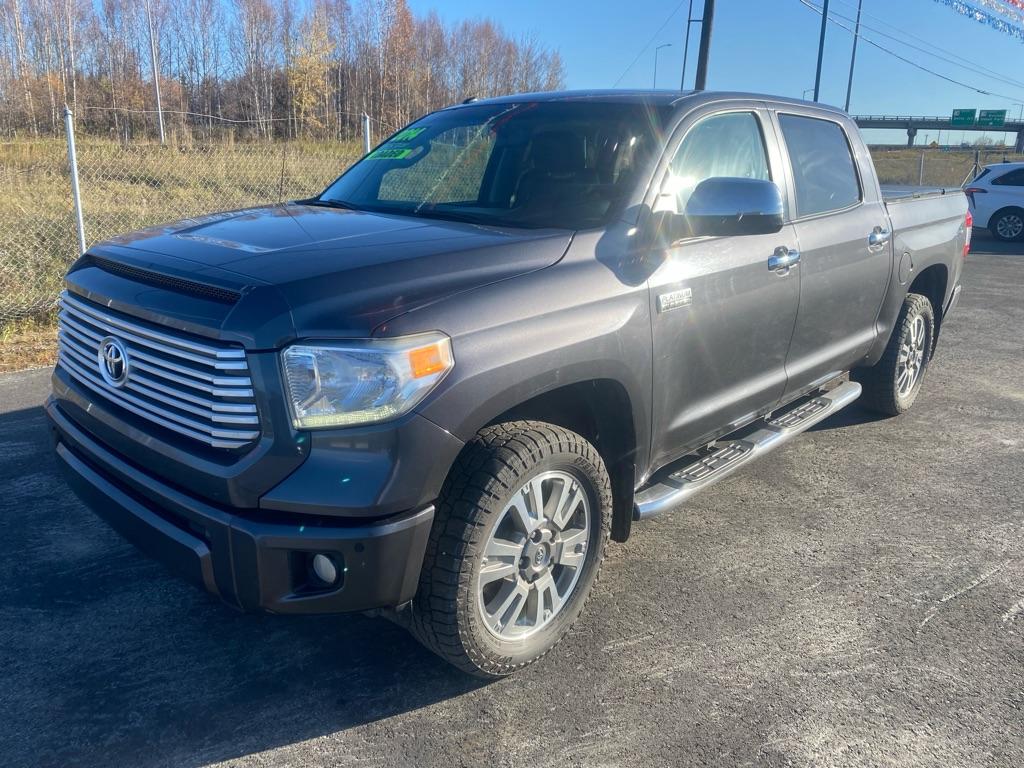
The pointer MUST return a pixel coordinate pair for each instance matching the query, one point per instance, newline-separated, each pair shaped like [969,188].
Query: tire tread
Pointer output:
[486,470]
[879,381]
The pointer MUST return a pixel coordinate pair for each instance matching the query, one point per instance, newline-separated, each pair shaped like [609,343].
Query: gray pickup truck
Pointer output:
[517,326]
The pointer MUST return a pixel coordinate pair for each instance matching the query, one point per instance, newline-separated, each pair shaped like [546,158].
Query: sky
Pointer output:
[771,46]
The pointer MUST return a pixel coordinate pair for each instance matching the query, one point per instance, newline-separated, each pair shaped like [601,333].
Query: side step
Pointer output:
[726,456]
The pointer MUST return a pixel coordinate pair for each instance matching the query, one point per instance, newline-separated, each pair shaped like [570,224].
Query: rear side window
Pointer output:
[1011,179]
[823,169]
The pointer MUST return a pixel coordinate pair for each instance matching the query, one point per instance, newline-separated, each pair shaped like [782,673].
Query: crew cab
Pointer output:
[519,325]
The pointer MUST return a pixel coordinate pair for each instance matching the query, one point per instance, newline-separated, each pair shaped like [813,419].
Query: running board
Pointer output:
[726,456]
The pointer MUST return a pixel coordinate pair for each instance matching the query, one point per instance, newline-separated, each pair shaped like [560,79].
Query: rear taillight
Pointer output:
[972,191]
[969,225]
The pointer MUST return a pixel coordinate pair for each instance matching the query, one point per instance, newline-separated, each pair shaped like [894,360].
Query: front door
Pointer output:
[722,318]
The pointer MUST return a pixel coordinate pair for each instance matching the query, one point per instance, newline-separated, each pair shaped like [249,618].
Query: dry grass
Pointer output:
[126,187]
[941,168]
[28,344]
[129,187]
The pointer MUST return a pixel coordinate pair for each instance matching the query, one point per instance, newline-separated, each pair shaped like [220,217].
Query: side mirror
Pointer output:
[732,206]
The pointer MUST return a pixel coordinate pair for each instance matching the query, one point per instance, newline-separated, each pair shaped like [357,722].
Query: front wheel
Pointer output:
[516,546]
[891,386]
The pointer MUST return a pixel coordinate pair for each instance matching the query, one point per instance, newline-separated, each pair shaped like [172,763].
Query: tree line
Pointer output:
[259,68]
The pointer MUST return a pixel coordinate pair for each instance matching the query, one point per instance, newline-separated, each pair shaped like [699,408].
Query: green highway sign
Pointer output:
[993,118]
[963,117]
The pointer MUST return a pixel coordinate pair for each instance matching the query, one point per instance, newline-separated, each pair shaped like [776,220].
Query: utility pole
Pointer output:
[686,45]
[156,71]
[821,50]
[853,56]
[705,45]
[663,45]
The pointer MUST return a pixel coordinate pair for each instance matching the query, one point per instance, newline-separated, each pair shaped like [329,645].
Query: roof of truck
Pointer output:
[648,96]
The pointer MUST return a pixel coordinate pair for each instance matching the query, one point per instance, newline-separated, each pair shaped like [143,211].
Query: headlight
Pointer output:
[363,382]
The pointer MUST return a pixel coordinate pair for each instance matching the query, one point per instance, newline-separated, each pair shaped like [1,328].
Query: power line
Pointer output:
[648,44]
[920,39]
[948,57]
[912,63]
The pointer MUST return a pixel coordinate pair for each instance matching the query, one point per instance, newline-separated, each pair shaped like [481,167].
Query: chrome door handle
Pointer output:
[879,237]
[783,258]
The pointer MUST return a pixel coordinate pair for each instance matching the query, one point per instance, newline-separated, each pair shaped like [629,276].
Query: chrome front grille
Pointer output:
[196,389]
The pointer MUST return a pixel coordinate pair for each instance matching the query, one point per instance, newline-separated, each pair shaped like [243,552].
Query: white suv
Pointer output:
[997,200]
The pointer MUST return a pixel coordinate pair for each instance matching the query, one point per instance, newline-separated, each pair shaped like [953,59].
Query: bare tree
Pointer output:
[280,67]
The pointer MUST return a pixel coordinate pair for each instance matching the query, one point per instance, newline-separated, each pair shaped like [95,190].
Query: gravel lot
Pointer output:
[856,599]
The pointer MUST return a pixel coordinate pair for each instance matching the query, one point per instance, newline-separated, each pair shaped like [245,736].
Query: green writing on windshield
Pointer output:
[387,153]
[408,134]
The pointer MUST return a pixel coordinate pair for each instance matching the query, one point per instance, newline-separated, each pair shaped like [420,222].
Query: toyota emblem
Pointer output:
[113,360]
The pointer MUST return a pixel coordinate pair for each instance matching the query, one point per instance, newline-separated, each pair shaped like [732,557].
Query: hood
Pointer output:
[337,273]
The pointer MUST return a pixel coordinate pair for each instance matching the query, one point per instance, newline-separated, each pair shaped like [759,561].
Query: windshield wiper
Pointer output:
[329,204]
[469,218]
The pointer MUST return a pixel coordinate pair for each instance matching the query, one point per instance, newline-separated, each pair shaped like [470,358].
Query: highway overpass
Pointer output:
[914,124]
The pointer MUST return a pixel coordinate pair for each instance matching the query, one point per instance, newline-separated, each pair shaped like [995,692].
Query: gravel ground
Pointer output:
[857,599]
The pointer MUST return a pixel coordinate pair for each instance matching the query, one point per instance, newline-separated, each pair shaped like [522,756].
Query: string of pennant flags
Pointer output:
[1006,16]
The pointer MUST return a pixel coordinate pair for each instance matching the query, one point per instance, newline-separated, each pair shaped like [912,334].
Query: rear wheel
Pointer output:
[1007,224]
[516,546]
[892,385]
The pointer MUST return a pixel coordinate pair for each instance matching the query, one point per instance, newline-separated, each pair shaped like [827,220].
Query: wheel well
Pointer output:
[931,284]
[600,411]
[1004,209]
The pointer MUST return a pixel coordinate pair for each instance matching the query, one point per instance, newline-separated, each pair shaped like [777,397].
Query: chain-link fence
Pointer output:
[126,186]
[935,166]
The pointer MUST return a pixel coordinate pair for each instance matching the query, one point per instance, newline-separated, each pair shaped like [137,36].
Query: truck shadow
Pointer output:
[849,416]
[113,661]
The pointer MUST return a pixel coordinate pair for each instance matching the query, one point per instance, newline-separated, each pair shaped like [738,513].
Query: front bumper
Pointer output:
[252,562]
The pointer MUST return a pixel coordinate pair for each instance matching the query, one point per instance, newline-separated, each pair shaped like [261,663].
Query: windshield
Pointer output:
[564,165]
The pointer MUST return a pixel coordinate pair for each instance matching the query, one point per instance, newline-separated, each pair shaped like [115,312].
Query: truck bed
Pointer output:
[898,192]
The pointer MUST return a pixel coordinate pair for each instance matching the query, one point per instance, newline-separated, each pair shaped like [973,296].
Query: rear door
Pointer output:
[722,319]
[842,229]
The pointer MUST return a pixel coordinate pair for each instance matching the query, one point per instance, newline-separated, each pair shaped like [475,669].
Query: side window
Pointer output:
[1011,179]
[725,145]
[824,173]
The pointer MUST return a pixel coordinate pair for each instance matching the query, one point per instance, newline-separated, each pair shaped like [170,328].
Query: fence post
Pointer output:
[69,127]
[920,171]
[366,133]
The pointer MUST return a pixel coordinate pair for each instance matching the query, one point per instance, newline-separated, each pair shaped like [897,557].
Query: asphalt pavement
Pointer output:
[856,599]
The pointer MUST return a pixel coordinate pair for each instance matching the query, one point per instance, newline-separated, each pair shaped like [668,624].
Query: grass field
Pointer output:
[125,187]
[941,167]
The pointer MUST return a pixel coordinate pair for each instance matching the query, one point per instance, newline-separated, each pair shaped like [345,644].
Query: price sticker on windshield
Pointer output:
[389,153]
[407,135]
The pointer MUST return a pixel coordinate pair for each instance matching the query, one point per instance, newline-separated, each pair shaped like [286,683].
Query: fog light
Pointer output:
[325,569]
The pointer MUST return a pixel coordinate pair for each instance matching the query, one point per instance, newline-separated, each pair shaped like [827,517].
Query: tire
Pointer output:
[885,388]
[1007,224]
[483,514]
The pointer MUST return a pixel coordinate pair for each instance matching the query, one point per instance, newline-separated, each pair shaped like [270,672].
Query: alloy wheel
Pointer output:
[910,363]
[1010,226]
[534,555]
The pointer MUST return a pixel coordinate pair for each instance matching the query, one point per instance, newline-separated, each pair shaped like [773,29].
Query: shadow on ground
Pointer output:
[982,243]
[112,661]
